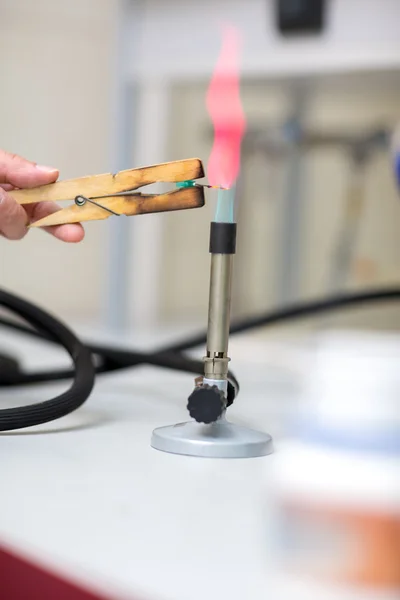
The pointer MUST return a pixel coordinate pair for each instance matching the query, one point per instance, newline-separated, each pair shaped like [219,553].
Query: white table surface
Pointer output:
[89,497]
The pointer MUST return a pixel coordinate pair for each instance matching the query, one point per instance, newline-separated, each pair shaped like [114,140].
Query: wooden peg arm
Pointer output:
[180,199]
[99,185]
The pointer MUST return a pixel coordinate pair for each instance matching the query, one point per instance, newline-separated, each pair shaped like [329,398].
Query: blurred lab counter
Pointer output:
[87,499]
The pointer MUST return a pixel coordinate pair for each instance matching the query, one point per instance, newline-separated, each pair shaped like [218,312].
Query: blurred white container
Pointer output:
[337,479]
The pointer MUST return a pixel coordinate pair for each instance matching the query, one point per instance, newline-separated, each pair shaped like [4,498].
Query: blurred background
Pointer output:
[93,86]
[96,86]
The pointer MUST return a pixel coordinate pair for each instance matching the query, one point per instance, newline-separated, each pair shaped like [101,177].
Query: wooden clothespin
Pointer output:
[100,196]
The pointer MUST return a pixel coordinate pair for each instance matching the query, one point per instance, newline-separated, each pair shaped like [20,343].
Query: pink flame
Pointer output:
[225,109]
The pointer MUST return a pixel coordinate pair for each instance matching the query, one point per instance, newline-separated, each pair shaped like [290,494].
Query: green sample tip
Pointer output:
[185,184]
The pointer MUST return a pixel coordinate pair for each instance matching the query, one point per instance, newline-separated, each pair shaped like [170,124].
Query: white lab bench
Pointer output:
[88,498]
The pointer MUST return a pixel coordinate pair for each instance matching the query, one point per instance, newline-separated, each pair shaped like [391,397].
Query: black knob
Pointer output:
[206,403]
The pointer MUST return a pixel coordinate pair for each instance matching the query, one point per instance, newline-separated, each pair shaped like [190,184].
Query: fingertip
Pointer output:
[49,173]
[39,175]
[71,233]
[19,172]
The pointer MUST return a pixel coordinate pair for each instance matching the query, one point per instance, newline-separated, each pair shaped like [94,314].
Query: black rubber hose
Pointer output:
[10,370]
[112,359]
[169,356]
[83,375]
[299,310]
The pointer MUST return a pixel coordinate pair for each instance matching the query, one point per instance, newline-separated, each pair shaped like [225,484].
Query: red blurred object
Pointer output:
[225,109]
[21,579]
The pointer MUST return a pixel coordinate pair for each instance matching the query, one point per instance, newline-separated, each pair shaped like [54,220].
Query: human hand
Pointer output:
[16,172]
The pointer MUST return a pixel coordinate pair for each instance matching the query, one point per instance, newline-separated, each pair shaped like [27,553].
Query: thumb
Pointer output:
[22,173]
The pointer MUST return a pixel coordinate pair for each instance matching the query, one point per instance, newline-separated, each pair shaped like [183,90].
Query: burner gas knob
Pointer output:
[206,404]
